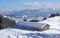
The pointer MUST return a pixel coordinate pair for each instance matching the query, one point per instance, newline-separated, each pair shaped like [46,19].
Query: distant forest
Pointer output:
[53,15]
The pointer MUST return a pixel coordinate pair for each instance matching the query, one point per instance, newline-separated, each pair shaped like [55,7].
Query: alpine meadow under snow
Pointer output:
[16,31]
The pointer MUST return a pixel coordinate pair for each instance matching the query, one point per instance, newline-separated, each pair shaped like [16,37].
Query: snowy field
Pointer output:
[15,32]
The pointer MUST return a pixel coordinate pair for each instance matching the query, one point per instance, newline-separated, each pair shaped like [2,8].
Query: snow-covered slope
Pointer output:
[53,32]
[18,33]
[54,23]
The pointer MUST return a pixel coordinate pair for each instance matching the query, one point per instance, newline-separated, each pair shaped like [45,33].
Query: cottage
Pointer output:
[43,27]
[34,25]
[5,22]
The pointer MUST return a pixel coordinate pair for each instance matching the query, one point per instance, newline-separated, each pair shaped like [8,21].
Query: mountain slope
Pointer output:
[53,32]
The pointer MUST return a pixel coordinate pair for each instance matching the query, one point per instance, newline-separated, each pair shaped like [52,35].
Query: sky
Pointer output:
[28,4]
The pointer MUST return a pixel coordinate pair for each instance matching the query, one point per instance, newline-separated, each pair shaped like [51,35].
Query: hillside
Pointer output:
[16,32]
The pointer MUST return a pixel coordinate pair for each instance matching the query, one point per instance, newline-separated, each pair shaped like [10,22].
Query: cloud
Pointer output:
[39,4]
[31,4]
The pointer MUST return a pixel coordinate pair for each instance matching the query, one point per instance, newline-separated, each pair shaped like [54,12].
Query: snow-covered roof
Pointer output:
[32,24]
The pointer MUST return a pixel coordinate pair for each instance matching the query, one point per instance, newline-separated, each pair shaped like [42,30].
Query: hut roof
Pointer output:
[32,24]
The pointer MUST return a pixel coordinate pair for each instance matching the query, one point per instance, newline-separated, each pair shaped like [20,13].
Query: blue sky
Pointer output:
[21,4]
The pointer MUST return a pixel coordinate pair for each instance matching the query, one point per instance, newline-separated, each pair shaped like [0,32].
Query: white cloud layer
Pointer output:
[33,5]
[38,4]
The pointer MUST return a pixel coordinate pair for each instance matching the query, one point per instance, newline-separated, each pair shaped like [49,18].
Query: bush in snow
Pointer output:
[34,20]
[6,22]
[24,20]
[53,15]
[44,18]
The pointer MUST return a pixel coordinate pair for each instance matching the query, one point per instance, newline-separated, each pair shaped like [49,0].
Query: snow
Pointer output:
[54,23]
[18,33]
[31,24]
[52,32]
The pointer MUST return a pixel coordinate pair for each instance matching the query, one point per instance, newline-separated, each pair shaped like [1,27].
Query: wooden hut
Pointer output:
[34,25]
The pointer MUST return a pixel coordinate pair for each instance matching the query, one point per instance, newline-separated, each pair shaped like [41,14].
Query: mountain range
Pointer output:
[32,13]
